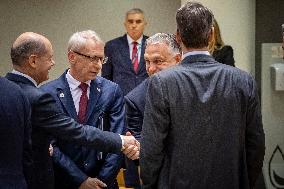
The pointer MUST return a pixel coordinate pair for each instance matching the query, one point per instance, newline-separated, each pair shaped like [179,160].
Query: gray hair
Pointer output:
[134,11]
[26,48]
[166,38]
[79,39]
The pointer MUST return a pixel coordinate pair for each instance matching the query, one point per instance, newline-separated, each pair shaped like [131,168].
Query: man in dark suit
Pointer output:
[202,122]
[126,67]
[76,166]
[15,136]
[32,58]
[162,51]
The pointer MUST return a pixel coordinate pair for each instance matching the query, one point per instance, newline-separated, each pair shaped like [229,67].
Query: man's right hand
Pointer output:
[131,147]
[92,183]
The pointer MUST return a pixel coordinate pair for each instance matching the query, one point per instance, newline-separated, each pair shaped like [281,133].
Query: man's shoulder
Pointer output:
[236,73]
[54,84]
[5,83]
[106,84]
[116,40]
[138,91]
[51,84]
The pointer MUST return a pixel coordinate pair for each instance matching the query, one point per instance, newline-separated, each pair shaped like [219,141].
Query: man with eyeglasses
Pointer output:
[93,100]
[32,58]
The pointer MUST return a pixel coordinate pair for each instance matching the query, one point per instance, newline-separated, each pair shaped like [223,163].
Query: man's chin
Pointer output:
[92,77]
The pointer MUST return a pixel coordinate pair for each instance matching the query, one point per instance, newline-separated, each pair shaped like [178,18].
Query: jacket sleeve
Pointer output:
[134,118]
[49,117]
[154,132]
[255,140]
[107,68]
[116,119]
[76,176]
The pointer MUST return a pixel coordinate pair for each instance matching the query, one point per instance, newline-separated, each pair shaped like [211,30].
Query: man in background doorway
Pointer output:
[126,67]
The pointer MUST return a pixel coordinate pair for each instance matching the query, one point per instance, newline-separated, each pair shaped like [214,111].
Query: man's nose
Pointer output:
[152,69]
[134,24]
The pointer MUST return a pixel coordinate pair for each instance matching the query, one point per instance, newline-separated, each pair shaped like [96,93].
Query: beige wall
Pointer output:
[58,19]
[237,23]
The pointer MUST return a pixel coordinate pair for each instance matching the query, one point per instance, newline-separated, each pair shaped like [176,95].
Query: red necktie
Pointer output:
[135,57]
[83,103]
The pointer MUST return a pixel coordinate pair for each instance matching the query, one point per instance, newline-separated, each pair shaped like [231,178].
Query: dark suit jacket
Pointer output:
[15,141]
[47,118]
[225,55]
[119,68]
[202,128]
[74,163]
[135,105]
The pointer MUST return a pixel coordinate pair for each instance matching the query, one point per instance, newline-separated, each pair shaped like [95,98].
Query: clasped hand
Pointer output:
[131,147]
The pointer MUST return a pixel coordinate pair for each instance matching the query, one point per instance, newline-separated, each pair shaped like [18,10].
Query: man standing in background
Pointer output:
[126,67]
[77,166]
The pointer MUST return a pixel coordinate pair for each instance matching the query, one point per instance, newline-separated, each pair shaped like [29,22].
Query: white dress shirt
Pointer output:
[190,53]
[76,92]
[139,46]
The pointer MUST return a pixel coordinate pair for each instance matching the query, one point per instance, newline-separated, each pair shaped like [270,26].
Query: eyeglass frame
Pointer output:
[94,59]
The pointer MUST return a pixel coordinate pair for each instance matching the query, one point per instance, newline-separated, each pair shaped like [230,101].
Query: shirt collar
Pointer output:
[73,83]
[195,53]
[25,75]
[130,40]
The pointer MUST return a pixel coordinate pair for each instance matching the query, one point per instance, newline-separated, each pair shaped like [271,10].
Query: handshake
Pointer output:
[131,147]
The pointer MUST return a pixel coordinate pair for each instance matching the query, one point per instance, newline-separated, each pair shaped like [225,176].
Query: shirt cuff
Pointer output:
[122,143]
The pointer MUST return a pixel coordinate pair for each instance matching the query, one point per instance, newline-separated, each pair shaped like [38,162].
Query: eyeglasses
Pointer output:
[155,62]
[94,59]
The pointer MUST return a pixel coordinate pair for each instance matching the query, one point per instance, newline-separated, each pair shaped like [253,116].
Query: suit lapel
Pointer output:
[65,97]
[142,61]
[125,50]
[95,93]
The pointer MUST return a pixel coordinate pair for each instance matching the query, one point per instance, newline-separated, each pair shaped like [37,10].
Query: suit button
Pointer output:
[86,164]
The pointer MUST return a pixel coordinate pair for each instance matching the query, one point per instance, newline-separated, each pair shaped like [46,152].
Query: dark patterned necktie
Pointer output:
[83,103]
[135,57]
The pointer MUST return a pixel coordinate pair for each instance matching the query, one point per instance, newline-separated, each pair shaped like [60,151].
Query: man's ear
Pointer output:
[71,57]
[178,58]
[32,60]
[211,34]
[178,38]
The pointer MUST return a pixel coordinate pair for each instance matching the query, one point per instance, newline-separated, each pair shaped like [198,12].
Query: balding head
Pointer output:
[27,44]
[32,54]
